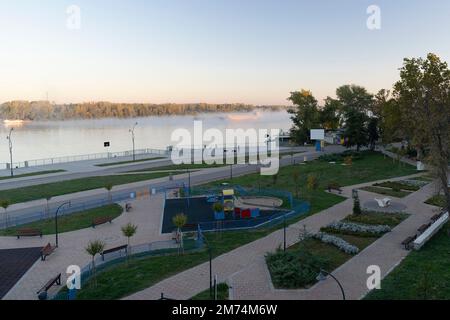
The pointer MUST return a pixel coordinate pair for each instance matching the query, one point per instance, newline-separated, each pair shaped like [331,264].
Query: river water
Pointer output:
[50,139]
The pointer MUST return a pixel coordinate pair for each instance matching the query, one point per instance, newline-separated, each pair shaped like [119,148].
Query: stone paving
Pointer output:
[244,268]
[146,214]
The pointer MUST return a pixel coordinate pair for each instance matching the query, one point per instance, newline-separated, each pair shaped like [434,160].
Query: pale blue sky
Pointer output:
[251,51]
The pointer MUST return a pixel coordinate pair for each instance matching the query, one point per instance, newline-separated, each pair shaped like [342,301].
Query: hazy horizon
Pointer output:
[223,51]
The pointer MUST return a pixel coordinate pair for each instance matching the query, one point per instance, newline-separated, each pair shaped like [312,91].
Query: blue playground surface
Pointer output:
[199,212]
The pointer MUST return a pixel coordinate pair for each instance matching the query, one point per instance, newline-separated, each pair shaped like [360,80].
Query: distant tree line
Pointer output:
[44,110]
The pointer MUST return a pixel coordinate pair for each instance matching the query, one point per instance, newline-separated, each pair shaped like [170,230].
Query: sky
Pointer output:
[215,51]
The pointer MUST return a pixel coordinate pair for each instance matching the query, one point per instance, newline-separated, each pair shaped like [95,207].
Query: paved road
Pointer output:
[22,210]
[84,169]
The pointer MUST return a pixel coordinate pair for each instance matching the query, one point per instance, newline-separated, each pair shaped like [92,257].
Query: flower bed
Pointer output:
[358,229]
[337,242]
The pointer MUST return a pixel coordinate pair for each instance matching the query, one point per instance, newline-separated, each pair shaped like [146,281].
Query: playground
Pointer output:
[224,209]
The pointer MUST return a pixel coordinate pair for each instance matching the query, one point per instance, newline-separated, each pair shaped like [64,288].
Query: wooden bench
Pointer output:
[46,251]
[334,187]
[119,248]
[424,227]
[408,241]
[56,280]
[99,221]
[29,233]
[128,207]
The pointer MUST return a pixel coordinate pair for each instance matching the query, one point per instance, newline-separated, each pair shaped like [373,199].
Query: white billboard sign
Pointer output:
[317,134]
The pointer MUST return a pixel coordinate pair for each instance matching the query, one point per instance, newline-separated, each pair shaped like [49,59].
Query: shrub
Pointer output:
[294,269]
[312,182]
[348,160]
[341,244]
[217,207]
[356,207]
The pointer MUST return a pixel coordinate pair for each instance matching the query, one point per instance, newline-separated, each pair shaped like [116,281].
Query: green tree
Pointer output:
[329,114]
[423,94]
[373,136]
[129,230]
[355,105]
[109,187]
[180,221]
[355,132]
[305,115]
[94,248]
[5,204]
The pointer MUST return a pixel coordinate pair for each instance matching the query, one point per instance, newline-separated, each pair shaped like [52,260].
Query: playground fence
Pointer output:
[153,249]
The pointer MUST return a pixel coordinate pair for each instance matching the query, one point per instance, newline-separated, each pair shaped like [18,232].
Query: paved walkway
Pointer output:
[245,270]
[146,214]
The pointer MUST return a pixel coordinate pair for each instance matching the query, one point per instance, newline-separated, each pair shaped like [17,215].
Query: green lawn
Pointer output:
[222,293]
[423,274]
[53,189]
[38,173]
[397,185]
[145,272]
[126,162]
[376,218]
[387,192]
[438,201]
[180,167]
[70,222]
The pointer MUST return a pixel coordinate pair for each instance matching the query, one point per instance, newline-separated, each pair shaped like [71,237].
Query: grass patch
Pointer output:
[222,293]
[72,222]
[377,218]
[180,167]
[438,201]
[53,189]
[126,162]
[397,185]
[387,192]
[422,274]
[38,173]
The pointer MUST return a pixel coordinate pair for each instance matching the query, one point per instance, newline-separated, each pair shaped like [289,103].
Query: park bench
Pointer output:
[119,248]
[54,281]
[408,241]
[47,250]
[437,216]
[101,220]
[334,186]
[424,227]
[29,233]
[128,207]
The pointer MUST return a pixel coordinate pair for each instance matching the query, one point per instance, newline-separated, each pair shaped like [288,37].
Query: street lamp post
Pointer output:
[10,151]
[132,138]
[323,276]
[284,232]
[56,220]
[189,181]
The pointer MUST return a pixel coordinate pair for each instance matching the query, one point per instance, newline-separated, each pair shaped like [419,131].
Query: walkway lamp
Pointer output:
[10,151]
[323,275]
[56,220]
[132,139]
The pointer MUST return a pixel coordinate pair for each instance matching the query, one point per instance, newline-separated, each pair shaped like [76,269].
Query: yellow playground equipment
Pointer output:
[228,200]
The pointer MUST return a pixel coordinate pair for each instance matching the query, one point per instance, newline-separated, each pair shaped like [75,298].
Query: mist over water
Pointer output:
[49,139]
